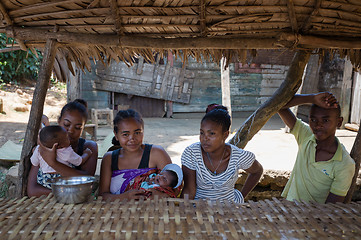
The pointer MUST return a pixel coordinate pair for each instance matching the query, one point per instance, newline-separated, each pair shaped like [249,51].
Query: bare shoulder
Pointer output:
[159,157]
[107,158]
[91,144]
[157,149]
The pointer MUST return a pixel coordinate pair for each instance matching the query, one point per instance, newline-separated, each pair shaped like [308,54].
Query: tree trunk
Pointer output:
[356,155]
[36,112]
[282,96]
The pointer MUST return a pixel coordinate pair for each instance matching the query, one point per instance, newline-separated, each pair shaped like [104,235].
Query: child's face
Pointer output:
[212,136]
[130,134]
[164,179]
[63,140]
[324,122]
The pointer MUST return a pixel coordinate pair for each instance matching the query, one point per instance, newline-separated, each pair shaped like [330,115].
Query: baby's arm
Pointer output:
[323,99]
[86,155]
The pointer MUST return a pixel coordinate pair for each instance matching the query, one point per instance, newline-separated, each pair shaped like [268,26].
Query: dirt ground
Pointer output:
[275,149]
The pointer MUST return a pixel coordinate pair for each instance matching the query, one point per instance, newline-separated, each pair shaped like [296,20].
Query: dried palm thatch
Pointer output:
[119,30]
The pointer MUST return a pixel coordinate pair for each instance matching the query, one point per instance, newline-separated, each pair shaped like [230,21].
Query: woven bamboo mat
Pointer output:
[44,218]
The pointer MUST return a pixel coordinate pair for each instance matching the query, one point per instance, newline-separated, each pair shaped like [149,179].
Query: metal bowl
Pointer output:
[72,190]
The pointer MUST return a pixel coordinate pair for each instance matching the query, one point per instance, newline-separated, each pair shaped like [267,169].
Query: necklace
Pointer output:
[210,160]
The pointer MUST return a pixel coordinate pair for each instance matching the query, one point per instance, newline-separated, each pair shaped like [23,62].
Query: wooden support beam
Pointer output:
[10,22]
[282,96]
[202,20]
[142,42]
[356,155]
[36,112]
[321,42]
[116,16]
[225,85]
[292,15]
[285,40]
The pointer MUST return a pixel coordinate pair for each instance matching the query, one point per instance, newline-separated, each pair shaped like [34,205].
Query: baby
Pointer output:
[166,180]
[48,136]
[171,176]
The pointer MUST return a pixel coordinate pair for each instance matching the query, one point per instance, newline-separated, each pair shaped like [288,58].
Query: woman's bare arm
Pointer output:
[158,157]
[254,174]
[190,185]
[33,188]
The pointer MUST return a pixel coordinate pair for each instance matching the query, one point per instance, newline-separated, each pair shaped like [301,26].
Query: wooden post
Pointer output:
[283,95]
[356,99]
[226,91]
[356,155]
[345,99]
[36,112]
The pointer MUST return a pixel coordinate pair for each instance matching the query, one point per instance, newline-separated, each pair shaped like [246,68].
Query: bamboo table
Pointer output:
[44,218]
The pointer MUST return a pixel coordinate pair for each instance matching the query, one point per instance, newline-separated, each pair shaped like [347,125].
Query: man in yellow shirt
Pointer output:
[323,169]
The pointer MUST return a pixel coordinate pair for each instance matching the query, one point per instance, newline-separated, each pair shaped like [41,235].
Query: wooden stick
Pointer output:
[307,24]
[282,96]
[292,15]
[36,112]
[202,16]
[356,155]
[116,16]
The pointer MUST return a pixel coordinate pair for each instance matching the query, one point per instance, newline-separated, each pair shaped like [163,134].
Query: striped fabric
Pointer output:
[220,186]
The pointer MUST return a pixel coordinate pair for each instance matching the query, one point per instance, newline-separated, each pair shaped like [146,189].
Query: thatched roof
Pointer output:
[120,29]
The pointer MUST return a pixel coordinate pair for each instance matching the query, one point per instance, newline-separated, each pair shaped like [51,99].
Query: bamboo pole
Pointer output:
[356,155]
[282,96]
[36,112]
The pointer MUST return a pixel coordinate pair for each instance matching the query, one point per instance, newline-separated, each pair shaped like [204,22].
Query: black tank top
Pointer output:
[144,162]
[80,150]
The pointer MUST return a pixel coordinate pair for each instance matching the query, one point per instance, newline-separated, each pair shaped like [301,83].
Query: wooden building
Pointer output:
[148,87]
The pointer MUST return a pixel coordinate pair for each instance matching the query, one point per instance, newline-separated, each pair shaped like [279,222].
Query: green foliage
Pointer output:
[18,65]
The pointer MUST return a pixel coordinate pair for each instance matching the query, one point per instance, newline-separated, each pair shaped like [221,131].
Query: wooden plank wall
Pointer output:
[250,85]
[96,98]
[159,81]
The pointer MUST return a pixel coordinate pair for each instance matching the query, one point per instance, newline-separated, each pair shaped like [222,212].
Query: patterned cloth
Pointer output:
[219,186]
[44,178]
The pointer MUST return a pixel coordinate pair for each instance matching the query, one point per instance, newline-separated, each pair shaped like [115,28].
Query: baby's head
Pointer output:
[50,135]
[170,176]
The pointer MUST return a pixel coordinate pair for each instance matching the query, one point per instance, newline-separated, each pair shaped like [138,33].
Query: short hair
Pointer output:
[127,114]
[50,135]
[219,114]
[79,105]
[174,175]
[338,108]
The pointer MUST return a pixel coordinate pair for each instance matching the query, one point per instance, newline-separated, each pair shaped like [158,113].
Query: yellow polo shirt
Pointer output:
[311,180]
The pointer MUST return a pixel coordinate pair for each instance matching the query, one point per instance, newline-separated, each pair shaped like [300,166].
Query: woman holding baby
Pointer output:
[73,117]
